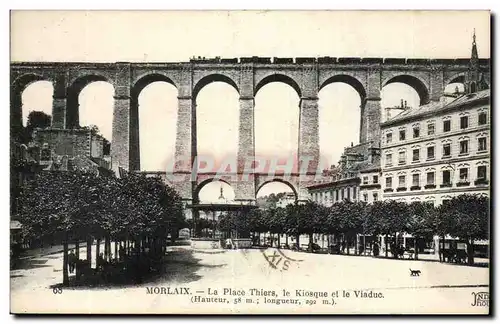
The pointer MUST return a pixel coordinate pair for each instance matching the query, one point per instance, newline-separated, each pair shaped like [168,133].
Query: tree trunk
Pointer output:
[364,244]
[311,241]
[89,251]
[297,238]
[279,240]
[356,244]
[441,250]
[77,249]
[328,243]
[97,252]
[65,261]
[106,248]
[116,250]
[385,242]
[470,251]
[346,240]
[416,247]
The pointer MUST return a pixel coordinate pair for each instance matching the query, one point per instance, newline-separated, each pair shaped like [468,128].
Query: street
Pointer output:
[365,284]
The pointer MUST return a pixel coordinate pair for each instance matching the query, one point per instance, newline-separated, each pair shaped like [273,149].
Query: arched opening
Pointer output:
[153,123]
[402,92]
[211,79]
[340,100]
[216,193]
[96,107]
[277,122]
[473,87]
[454,89]
[37,96]
[217,123]
[273,197]
[279,78]
[276,193]
[16,103]
[396,97]
[73,102]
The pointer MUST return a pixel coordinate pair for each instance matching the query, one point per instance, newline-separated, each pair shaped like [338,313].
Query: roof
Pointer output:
[435,107]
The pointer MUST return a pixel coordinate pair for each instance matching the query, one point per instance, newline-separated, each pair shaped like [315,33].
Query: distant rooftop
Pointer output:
[435,107]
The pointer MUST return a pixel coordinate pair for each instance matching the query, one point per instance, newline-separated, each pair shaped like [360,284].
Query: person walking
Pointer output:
[72,261]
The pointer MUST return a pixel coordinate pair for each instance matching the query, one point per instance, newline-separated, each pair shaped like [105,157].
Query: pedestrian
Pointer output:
[72,261]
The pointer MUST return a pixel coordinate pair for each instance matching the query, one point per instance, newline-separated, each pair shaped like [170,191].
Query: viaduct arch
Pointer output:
[247,75]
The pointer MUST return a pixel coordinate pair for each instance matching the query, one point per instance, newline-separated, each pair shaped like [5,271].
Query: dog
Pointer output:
[414,273]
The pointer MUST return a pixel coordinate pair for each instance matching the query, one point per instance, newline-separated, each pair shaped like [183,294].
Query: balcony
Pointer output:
[399,189]
[463,183]
[445,185]
[413,188]
[430,186]
[481,182]
[388,190]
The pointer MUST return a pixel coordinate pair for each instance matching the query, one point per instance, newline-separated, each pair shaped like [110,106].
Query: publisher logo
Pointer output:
[481,299]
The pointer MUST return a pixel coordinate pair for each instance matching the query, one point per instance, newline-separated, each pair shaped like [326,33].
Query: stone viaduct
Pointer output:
[307,76]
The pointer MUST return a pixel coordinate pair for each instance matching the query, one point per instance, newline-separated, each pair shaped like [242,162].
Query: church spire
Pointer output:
[475,79]
[474,55]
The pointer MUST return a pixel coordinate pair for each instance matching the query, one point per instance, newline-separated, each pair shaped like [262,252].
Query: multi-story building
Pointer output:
[439,150]
[346,182]
[446,152]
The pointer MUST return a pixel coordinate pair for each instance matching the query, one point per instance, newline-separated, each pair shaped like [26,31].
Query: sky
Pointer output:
[101,36]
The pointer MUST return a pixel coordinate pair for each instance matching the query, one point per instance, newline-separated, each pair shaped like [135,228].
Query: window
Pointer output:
[365,180]
[388,138]
[446,177]
[337,195]
[464,147]
[416,132]
[464,174]
[481,144]
[388,159]
[365,197]
[388,182]
[354,193]
[375,196]
[402,135]
[430,152]
[446,150]
[430,178]
[446,125]
[348,193]
[431,129]
[415,180]
[402,158]
[416,155]
[402,181]
[481,172]
[482,118]
[342,194]
[464,122]
[375,179]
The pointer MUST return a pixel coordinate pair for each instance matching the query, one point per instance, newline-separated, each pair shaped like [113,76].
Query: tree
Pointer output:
[421,222]
[38,119]
[79,205]
[467,217]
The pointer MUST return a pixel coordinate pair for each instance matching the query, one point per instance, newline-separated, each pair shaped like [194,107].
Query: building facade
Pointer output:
[355,179]
[439,150]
